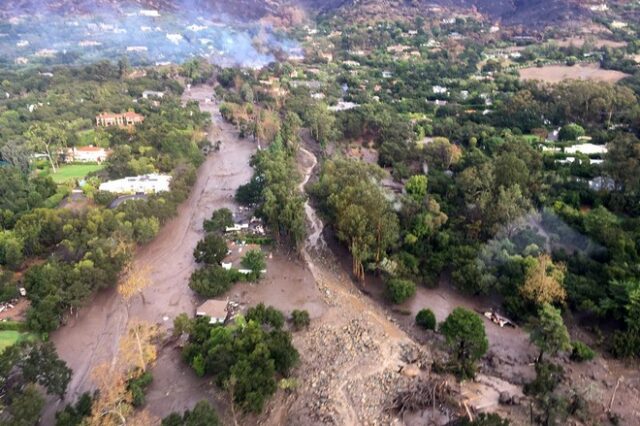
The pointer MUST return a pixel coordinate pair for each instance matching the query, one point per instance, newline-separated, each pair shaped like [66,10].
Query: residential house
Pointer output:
[217,310]
[86,154]
[147,184]
[152,94]
[127,119]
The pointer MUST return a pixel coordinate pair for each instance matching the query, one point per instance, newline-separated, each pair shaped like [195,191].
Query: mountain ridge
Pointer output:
[509,12]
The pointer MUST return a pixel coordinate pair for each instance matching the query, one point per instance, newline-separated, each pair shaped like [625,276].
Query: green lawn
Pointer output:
[74,171]
[10,337]
[532,138]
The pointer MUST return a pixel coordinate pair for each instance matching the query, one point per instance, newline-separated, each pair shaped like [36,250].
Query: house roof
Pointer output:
[89,149]
[128,114]
[213,309]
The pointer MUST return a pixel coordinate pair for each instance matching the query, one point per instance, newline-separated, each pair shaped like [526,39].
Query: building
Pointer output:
[146,184]
[127,119]
[217,310]
[86,154]
[152,94]
[343,106]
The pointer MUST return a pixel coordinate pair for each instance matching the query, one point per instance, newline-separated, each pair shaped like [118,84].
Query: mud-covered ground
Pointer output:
[354,356]
[92,337]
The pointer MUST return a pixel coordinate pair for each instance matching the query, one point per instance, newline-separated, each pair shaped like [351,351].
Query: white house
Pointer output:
[343,106]
[148,184]
[586,148]
[152,94]
[87,154]
[440,90]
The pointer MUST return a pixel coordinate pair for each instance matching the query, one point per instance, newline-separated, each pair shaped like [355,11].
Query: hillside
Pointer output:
[534,13]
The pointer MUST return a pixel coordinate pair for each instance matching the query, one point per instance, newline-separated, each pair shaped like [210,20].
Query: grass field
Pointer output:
[10,337]
[74,171]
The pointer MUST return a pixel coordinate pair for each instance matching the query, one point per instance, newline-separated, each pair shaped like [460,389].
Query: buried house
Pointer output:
[217,310]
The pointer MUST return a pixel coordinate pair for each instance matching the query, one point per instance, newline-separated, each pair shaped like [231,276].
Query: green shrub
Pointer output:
[548,376]
[219,221]
[104,198]
[399,290]
[300,319]
[12,326]
[55,200]
[255,261]
[213,280]
[266,316]
[255,239]
[581,352]
[571,132]
[137,386]
[426,319]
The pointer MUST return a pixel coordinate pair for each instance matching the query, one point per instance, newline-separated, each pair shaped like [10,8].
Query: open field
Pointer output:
[74,171]
[598,43]
[558,73]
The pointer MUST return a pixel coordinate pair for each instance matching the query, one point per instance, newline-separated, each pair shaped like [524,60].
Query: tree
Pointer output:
[440,153]
[544,282]
[571,132]
[212,280]
[16,154]
[549,333]
[244,357]
[465,335]
[74,415]
[399,290]
[322,123]
[254,260]
[202,414]
[211,250]
[509,209]
[416,187]
[264,315]
[300,319]
[137,346]
[25,407]
[484,419]
[114,403]
[622,163]
[426,319]
[146,229]
[290,131]
[359,211]
[246,93]
[23,367]
[220,220]
[46,138]
[136,279]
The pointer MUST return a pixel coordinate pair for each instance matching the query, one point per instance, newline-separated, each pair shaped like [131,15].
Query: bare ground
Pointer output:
[558,73]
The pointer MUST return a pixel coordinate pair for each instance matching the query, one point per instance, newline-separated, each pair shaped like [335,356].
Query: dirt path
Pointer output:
[93,336]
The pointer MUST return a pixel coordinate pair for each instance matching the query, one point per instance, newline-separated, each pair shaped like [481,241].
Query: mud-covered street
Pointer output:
[92,337]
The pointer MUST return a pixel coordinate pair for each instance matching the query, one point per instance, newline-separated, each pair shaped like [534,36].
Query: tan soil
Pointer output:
[580,41]
[18,312]
[558,73]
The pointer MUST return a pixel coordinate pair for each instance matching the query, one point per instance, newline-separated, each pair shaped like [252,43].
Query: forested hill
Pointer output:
[533,13]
